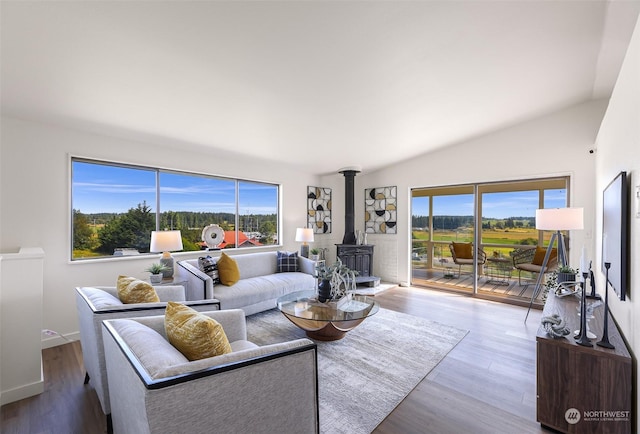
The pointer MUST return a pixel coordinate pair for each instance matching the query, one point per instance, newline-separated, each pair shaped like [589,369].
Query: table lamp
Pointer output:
[166,242]
[306,236]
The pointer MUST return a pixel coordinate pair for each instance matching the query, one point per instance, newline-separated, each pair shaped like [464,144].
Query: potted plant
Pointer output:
[315,254]
[565,274]
[335,281]
[156,270]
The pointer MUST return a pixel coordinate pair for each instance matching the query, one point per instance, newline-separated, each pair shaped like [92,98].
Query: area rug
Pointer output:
[365,375]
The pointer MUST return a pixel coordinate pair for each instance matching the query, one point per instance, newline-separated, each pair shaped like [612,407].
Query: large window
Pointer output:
[115,207]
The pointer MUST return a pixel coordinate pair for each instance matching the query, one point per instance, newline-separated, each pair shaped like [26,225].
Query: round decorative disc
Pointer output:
[212,235]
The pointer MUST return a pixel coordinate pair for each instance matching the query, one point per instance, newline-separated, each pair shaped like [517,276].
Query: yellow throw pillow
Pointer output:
[538,258]
[463,250]
[195,335]
[228,270]
[132,290]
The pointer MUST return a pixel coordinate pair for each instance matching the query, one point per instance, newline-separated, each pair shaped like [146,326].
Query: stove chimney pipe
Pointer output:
[349,208]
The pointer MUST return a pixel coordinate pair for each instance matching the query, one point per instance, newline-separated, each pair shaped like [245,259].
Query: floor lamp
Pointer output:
[555,219]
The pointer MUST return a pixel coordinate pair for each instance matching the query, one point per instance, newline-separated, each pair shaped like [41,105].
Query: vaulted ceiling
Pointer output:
[318,84]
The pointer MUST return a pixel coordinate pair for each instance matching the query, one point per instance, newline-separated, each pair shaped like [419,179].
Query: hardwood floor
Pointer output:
[66,406]
[486,384]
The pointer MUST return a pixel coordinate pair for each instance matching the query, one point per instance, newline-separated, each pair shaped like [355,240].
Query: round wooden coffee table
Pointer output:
[325,321]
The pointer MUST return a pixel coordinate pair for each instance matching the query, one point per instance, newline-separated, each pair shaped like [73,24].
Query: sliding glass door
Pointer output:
[493,222]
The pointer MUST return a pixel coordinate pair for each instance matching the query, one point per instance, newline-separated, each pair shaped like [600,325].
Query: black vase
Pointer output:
[324,290]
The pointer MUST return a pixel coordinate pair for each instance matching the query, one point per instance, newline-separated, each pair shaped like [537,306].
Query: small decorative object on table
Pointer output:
[340,278]
[324,290]
[592,281]
[314,254]
[555,326]
[213,236]
[585,269]
[567,288]
[566,274]
[156,270]
[562,283]
[583,337]
[591,306]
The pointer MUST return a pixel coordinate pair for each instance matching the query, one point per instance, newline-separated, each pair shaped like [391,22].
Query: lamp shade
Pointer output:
[165,241]
[559,219]
[304,234]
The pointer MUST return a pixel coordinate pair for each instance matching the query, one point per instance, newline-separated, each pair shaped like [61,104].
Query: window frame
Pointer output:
[158,170]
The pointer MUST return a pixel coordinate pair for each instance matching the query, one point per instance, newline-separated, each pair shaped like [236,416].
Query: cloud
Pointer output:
[113,188]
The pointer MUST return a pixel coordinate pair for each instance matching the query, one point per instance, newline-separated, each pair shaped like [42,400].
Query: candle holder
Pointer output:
[583,338]
[604,342]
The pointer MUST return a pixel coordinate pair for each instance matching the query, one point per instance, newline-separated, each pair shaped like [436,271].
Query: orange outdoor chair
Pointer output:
[462,254]
[531,260]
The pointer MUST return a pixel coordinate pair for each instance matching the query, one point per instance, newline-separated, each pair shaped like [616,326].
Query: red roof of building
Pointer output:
[230,239]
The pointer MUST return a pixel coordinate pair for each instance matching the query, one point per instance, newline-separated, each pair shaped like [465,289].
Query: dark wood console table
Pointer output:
[589,387]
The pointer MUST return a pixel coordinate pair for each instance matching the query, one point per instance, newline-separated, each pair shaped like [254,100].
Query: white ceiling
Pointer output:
[318,84]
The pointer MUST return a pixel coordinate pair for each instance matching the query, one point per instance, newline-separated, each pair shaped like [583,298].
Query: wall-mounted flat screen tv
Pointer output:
[615,233]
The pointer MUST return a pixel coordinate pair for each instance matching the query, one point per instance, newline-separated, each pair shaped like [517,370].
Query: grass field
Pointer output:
[491,239]
[489,236]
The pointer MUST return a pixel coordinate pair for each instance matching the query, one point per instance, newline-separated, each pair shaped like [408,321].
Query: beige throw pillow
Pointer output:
[132,290]
[195,335]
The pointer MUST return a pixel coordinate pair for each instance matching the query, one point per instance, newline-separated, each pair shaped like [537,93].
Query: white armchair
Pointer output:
[96,304]
[155,389]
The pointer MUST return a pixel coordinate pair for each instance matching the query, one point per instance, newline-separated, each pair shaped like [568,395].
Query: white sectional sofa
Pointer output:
[259,286]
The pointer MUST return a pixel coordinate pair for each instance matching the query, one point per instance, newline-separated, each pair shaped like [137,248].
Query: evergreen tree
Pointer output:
[131,230]
[268,230]
[82,233]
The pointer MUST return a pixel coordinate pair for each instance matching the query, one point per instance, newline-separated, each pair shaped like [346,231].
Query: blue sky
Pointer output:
[103,188]
[494,205]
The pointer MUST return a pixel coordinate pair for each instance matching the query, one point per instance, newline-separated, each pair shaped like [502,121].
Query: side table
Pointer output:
[498,270]
[175,280]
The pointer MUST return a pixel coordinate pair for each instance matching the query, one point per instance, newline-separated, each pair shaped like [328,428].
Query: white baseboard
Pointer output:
[22,392]
[375,289]
[58,339]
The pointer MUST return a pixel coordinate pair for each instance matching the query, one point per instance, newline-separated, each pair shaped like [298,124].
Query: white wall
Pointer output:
[618,144]
[556,144]
[21,279]
[35,202]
